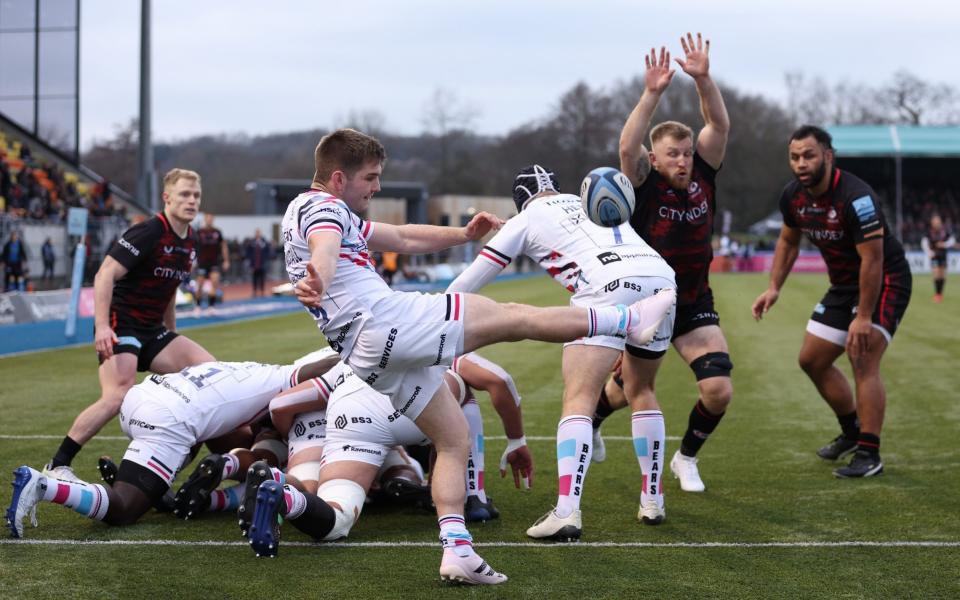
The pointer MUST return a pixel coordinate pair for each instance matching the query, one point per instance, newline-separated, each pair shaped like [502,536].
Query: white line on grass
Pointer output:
[531,438]
[212,543]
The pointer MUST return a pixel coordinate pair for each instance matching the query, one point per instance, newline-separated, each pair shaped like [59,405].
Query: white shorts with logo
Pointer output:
[308,430]
[362,425]
[406,347]
[160,442]
[626,290]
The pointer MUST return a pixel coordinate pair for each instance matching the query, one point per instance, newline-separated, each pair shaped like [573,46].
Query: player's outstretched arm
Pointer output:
[421,239]
[788,247]
[634,157]
[324,250]
[108,274]
[712,141]
[484,375]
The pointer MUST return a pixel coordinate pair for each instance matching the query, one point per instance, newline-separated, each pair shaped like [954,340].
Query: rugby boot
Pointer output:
[685,469]
[193,497]
[475,510]
[838,448]
[552,527]
[268,509]
[863,464]
[256,474]
[28,488]
[469,570]
[646,315]
[651,513]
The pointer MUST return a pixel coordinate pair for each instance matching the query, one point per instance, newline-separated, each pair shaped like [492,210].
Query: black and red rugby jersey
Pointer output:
[157,261]
[679,225]
[935,237]
[846,215]
[209,244]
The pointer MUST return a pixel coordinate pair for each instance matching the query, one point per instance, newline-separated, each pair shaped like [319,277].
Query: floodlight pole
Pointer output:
[146,181]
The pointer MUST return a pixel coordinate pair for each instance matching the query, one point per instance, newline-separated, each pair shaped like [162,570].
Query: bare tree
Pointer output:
[447,119]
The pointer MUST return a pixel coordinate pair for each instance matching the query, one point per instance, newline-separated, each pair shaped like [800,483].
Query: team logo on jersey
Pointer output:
[167,249]
[299,429]
[693,188]
[606,258]
[341,422]
[832,214]
[865,209]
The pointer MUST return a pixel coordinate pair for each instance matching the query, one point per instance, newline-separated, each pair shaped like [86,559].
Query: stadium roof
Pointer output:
[893,140]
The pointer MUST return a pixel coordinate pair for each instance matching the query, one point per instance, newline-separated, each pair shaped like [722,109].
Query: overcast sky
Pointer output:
[228,66]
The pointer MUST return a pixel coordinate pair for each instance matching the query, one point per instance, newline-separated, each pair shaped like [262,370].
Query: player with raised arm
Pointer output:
[401,343]
[870,285]
[134,295]
[599,266]
[164,416]
[675,186]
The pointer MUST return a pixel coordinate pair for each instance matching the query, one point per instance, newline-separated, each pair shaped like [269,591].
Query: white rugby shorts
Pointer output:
[159,442]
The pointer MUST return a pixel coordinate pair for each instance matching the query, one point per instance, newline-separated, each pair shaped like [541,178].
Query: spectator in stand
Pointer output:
[14,259]
[259,252]
[389,264]
[49,258]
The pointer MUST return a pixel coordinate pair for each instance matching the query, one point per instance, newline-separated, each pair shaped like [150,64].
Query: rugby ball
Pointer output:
[607,197]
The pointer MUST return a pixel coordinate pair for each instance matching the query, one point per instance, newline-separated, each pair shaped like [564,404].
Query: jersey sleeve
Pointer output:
[788,219]
[136,243]
[509,243]
[324,215]
[704,167]
[862,217]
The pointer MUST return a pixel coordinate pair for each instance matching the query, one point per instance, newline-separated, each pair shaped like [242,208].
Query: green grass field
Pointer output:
[773,522]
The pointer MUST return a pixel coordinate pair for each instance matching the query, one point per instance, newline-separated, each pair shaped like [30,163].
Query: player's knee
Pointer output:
[712,364]
[349,496]
[716,393]
[810,364]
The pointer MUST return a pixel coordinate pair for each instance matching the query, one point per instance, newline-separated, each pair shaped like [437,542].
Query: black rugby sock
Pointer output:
[938,285]
[701,424]
[65,454]
[850,425]
[318,518]
[603,410]
[869,442]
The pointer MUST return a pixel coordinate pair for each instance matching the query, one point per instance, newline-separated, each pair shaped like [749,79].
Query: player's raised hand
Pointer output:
[697,63]
[309,290]
[481,224]
[103,340]
[521,463]
[764,302]
[658,74]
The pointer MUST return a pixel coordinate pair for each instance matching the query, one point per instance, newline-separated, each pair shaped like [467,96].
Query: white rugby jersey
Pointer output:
[578,254]
[215,398]
[356,286]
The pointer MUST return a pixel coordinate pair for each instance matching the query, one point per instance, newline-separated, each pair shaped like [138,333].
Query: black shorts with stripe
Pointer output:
[839,305]
[699,314]
[145,343]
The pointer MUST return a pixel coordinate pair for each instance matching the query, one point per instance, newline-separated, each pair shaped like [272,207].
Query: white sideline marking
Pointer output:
[531,438]
[213,543]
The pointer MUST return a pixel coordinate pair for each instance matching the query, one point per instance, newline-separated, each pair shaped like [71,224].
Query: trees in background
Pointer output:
[581,131]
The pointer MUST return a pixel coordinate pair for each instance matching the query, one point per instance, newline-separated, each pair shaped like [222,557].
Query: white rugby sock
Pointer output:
[88,499]
[454,535]
[574,447]
[649,444]
[296,502]
[227,499]
[608,320]
[231,466]
[475,464]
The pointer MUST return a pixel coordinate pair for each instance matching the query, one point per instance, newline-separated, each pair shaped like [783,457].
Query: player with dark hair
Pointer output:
[401,343]
[599,266]
[675,186]
[936,243]
[164,416]
[134,318]
[213,258]
[870,284]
